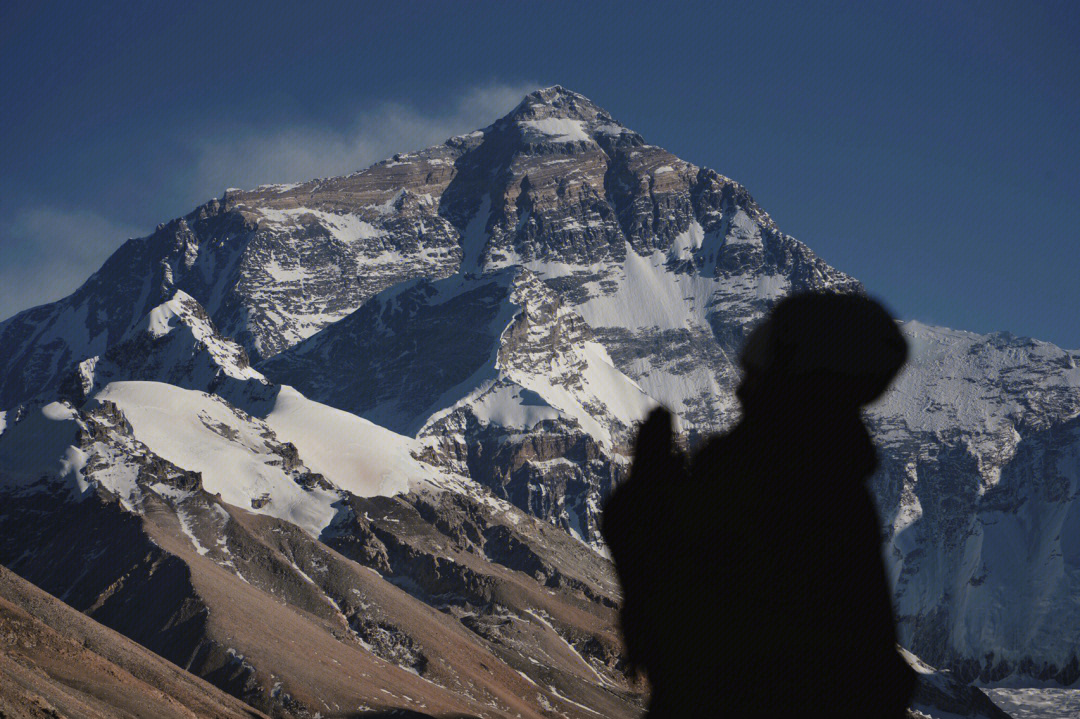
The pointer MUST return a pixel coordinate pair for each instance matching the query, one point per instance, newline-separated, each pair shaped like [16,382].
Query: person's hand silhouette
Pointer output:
[656,455]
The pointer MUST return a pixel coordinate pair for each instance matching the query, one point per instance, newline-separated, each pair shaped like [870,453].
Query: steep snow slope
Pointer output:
[978,489]
[989,385]
[239,457]
[350,452]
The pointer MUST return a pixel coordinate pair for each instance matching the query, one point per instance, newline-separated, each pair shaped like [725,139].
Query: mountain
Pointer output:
[430,370]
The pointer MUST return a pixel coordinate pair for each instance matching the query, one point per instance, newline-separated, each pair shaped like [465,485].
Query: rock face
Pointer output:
[175,343]
[469,333]
[557,184]
[501,380]
[55,661]
[938,694]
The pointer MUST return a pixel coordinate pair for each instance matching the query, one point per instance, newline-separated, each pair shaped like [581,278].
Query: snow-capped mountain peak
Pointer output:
[494,314]
[176,343]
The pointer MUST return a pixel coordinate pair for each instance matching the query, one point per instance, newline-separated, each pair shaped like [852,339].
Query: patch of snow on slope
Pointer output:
[620,394]
[162,319]
[199,432]
[281,273]
[687,243]
[600,382]
[611,129]
[558,129]
[743,230]
[345,228]
[352,453]
[539,616]
[186,528]
[475,237]
[649,295]
[115,471]
[510,405]
[1037,703]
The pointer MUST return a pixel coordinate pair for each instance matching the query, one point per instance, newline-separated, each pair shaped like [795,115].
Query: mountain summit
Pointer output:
[554,181]
[558,102]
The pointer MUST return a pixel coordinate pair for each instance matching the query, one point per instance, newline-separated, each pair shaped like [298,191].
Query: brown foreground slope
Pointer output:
[57,662]
[443,601]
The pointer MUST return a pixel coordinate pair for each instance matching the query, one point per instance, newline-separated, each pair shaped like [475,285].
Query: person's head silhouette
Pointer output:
[827,351]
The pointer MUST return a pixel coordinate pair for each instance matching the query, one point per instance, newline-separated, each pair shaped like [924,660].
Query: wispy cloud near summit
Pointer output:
[49,250]
[298,153]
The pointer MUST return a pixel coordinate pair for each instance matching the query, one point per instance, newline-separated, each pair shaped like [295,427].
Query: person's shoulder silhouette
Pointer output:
[752,575]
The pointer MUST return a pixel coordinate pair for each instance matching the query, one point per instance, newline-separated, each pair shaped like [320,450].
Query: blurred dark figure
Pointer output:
[752,574]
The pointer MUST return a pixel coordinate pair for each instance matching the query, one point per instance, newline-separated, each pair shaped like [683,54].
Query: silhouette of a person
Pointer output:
[752,575]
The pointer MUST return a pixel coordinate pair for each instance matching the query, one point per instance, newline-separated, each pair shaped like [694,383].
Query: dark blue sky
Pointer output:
[929,149]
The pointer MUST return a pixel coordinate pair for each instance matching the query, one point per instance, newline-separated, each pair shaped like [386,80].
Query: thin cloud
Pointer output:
[50,251]
[296,154]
